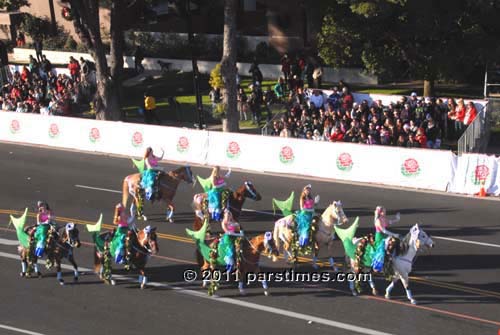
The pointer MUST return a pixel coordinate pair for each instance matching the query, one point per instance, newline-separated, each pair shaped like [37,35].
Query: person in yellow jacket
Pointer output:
[150,109]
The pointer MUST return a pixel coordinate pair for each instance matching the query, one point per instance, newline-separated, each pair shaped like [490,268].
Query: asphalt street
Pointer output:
[457,283]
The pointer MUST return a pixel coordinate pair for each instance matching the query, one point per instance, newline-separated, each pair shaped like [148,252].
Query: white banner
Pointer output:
[475,170]
[412,168]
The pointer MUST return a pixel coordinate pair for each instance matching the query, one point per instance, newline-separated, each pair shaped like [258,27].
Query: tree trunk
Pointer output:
[228,66]
[429,87]
[117,49]
[86,22]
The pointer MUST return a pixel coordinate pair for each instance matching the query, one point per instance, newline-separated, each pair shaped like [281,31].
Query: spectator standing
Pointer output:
[150,109]
[255,72]
[20,40]
[285,67]
[242,104]
[138,58]
[38,48]
[215,97]
[317,76]
[74,69]
[470,113]
[317,99]
[279,89]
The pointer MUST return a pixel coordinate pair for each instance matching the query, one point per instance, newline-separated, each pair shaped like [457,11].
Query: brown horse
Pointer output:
[252,250]
[168,183]
[142,244]
[60,245]
[235,201]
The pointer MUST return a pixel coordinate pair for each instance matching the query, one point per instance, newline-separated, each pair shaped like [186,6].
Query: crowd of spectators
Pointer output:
[37,88]
[413,122]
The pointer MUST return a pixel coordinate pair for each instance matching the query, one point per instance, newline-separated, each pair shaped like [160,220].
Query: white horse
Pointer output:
[325,234]
[402,263]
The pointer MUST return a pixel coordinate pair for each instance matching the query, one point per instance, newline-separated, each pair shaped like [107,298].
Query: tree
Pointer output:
[228,66]
[12,5]
[416,39]
[86,22]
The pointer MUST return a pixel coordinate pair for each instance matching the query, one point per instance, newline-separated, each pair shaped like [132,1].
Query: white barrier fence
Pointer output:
[409,168]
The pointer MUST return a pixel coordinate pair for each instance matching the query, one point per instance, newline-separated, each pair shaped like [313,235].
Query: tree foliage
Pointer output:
[12,5]
[417,39]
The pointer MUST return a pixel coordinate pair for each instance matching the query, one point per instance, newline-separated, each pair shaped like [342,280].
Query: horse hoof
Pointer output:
[75,279]
[144,217]
[39,274]
[413,301]
[374,292]
[336,269]
[170,221]
[388,297]
[22,274]
[266,293]
[61,282]
[113,283]
[354,293]
[243,293]
[143,286]
[315,266]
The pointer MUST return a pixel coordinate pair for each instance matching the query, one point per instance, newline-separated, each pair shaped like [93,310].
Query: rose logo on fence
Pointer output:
[182,144]
[410,168]
[15,126]
[480,174]
[53,130]
[344,162]
[94,135]
[233,150]
[137,139]
[286,155]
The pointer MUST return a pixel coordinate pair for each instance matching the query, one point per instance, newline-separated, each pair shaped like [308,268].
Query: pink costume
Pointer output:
[44,217]
[383,224]
[122,223]
[219,182]
[308,205]
[152,161]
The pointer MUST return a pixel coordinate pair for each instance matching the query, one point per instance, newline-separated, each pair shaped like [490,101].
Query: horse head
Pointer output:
[420,238]
[72,235]
[248,190]
[147,239]
[337,213]
[270,246]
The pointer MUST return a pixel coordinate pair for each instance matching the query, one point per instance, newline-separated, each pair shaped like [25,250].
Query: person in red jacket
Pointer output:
[74,69]
[25,75]
[421,138]
[459,117]
[470,113]
[337,135]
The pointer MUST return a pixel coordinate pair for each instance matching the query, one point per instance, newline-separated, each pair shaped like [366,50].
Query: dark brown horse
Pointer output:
[142,244]
[235,201]
[60,245]
[168,183]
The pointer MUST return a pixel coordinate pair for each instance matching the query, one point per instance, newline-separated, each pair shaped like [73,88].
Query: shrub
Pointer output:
[216,77]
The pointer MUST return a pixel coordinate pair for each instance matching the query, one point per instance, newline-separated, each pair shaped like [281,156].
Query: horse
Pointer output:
[234,202]
[252,250]
[401,263]
[29,258]
[167,184]
[142,244]
[59,246]
[323,236]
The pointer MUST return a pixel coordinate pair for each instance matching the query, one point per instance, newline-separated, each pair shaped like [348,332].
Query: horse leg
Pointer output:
[205,266]
[372,286]
[142,278]
[75,267]
[170,212]
[315,257]
[241,287]
[330,252]
[406,284]
[60,279]
[390,287]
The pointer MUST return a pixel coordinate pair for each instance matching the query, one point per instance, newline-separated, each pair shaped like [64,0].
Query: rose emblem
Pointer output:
[286,155]
[481,173]
[53,130]
[410,168]
[233,150]
[344,162]
[94,135]
[15,126]
[182,144]
[137,139]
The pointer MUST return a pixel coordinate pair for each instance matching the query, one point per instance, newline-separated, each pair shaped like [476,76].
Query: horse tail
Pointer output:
[125,192]
[276,235]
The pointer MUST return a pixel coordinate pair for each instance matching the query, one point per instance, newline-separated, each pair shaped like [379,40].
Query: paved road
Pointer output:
[456,283]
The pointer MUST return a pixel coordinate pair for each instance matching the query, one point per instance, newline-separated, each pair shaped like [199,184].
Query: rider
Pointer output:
[44,222]
[121,236]
[231,229]
[305,215]
[381,223]
[215,192]
[150,172]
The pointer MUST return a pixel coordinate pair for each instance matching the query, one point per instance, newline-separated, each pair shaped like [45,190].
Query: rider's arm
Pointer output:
[301,203]
[383,230]
[396,219]
[228,173]
[162,154]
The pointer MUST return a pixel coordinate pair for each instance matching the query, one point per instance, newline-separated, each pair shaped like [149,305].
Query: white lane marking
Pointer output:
[5,241]
[98,189]
[249,305]
[19,330]
[272,214]
[466,241]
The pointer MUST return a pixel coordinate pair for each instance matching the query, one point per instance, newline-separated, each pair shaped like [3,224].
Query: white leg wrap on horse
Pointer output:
[23,267]
[75,273]
[59,276]
[389,288]
[332,262]
[408,294]
[351,285]
[372,284]
[170,213]
[282,237]
[144,280]
[36,268]
[264,285]
[315,260]
[240,285]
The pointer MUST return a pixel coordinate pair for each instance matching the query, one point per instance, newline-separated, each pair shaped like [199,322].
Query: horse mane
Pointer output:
[404,245]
